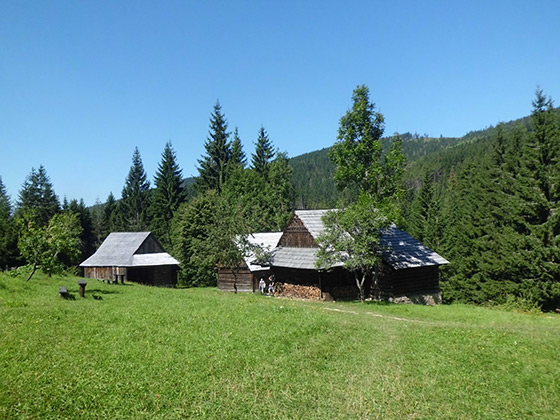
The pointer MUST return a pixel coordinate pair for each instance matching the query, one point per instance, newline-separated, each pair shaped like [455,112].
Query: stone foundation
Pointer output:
[429,298]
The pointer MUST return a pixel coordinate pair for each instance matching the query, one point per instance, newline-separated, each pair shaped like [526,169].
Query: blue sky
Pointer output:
[82,83]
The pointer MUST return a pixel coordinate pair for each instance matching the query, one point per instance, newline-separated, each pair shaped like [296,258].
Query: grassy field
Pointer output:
[135,352]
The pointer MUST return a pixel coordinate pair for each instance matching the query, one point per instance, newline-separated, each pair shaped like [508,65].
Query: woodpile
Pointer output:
[298,291]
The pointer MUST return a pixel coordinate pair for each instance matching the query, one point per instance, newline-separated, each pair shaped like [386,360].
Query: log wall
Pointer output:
[296,235]
[244,281]
[161,275]
[104,273]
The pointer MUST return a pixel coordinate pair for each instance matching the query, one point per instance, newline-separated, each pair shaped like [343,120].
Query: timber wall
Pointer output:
[244,281]
[161,275]
[296,235]
[105,273]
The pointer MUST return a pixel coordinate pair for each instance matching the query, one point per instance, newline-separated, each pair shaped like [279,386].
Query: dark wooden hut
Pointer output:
[132,256]
[245,278]
[410,272]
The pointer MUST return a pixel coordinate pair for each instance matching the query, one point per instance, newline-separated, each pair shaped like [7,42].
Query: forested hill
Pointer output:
[491,206]
[313,172]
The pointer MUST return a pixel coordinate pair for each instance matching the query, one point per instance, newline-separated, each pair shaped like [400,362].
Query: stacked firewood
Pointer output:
[298,291]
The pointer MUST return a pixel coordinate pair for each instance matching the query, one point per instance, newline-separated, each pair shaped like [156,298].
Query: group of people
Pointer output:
[263,286]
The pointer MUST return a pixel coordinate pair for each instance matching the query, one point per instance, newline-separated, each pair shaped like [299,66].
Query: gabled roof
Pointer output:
[300,258]
[119,249]
[312,220]
[267,240]
[399,249]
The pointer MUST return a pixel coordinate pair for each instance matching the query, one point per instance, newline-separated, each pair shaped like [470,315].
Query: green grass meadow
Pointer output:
[137,352]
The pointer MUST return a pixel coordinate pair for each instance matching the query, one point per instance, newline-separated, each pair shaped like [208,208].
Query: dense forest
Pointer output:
[313,173]
[488,202]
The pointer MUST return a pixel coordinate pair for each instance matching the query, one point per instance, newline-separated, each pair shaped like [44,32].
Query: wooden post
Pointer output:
[82,284]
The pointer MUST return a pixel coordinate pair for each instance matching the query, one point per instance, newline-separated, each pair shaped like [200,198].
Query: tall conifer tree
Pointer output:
[37,196]
[264,153]
[8,235]
[111,220]
[213,169]
[238,156]
[167,195]
[135,196]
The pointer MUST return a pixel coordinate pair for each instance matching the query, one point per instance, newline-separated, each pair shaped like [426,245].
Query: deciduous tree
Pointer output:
[47,247]
[352,234]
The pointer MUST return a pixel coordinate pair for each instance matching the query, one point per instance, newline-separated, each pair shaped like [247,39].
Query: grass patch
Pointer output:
[141,352]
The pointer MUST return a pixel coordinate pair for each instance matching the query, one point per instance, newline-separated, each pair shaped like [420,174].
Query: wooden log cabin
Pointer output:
[410,269]
[132,256]
[245,278]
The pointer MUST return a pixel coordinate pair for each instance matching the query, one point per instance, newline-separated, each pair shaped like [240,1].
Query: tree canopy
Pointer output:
[373,182]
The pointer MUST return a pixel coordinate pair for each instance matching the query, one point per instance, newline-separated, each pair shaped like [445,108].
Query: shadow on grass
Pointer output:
[102,292]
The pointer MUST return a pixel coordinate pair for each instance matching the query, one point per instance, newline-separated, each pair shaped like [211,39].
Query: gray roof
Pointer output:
[301,258]
[148,260]
[267,240]
[119,249]
[312,220]
[400,249]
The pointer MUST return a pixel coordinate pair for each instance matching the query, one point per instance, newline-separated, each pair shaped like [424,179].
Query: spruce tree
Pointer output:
[87,236]
[135,196]
[8,235]
[264,153]
[167,195]
[111,220]
[280,195]
[97,223]
[213,169]
[238,157]
[37,196]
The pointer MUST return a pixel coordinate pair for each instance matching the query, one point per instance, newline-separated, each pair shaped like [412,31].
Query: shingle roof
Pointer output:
[312,220]
[147,260]
[268,240]
[302,258]
[119,248]
[400,249]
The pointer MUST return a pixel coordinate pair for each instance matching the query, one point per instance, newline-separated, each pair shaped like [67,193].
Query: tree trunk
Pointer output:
[375,285]
[32,272]
[234,272]
[360,284]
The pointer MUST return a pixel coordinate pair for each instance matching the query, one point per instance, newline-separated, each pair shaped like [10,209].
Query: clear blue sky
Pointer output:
[84,82]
